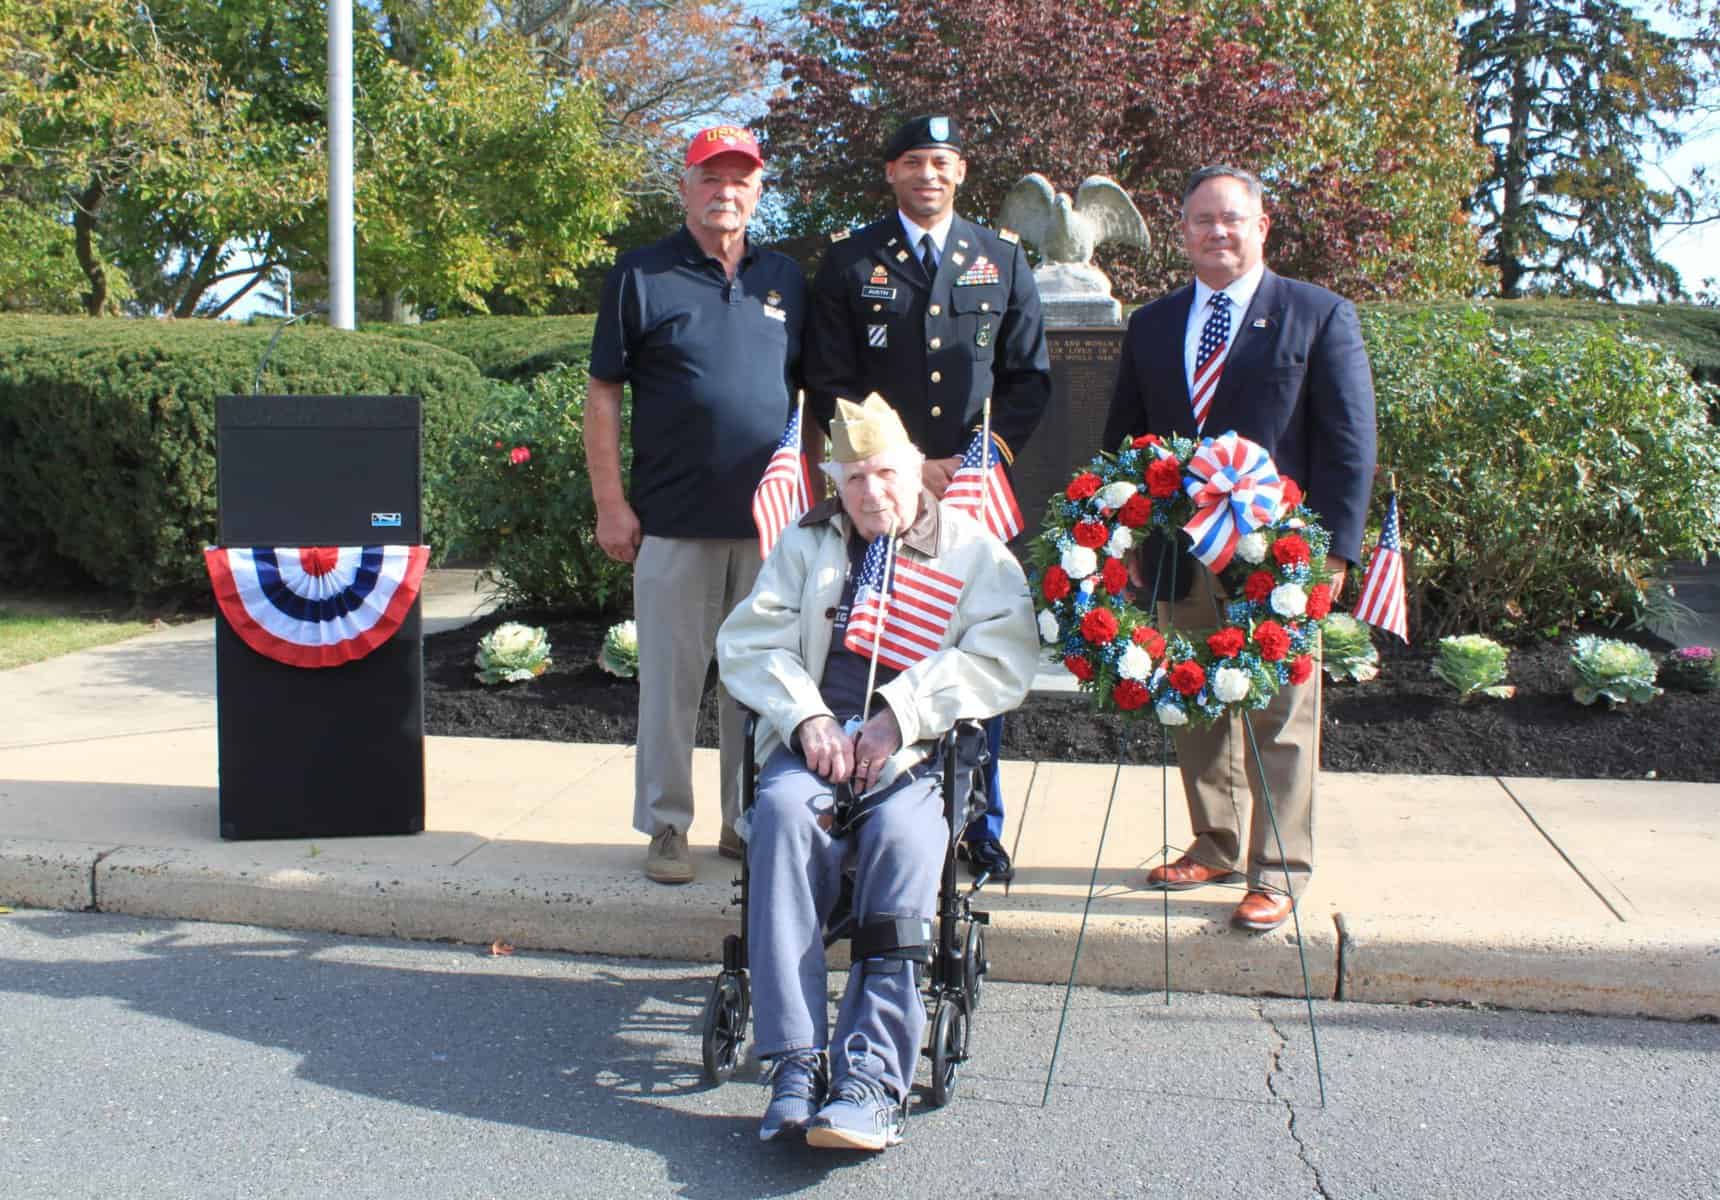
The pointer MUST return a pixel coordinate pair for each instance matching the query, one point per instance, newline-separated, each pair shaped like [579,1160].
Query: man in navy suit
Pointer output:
[1282,363]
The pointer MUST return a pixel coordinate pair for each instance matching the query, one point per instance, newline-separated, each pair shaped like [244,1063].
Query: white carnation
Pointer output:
[1048,626]
[1231,684]
[1170,713]
[1080,562]
[1252,547]
[1122,541]
[1135,663]
[1289,600]
[1114,495]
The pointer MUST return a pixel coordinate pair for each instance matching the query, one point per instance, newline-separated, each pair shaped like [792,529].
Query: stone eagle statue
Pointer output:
[1066,234]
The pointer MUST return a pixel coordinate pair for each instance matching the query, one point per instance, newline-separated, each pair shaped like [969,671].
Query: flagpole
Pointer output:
[805,469]
[878,627]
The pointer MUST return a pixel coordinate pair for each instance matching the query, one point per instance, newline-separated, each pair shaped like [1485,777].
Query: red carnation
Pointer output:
[1078,667]
[1082,486]
[1148,639]
[1188,677]
[1259,586]
[1290,550]
[1301,667]
[1091,534]
[1273,640]
[1227,642]
[1145,440]
[1099,626]
[1292,491]
[1320,601]
[519,454]
[1129,694]
[1055,585]
[1164,477]
[1114,576]
[1137,510]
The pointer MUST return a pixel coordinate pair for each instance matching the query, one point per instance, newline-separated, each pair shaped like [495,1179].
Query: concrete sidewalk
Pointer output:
[1551,894]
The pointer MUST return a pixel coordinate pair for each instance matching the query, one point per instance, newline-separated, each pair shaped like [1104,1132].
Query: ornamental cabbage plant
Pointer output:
[1617,671]
[512,653]
[620,653]
[1692,669]
[1475,666]
[1349,648]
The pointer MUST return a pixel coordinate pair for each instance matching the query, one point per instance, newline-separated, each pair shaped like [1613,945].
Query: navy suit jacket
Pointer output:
[1296,381]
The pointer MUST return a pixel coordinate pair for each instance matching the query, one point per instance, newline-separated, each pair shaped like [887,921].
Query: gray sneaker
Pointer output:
[797,1086]
[667,861]
[861,1115]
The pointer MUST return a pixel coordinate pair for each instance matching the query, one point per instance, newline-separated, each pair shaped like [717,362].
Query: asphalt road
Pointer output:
[166,1059]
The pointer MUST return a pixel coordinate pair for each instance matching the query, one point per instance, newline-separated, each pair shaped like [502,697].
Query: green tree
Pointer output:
[1570,98]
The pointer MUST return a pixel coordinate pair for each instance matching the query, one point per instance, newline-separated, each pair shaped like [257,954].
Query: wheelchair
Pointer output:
[951,983]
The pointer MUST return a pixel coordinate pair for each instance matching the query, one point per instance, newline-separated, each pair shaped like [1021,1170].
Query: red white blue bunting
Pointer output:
[316,606]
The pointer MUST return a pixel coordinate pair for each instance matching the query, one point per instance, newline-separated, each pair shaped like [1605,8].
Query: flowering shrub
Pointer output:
[1245,521]
[1616,671]
[620,653]
[1348,646]
[1692,669]
[1475,666]
[512,653]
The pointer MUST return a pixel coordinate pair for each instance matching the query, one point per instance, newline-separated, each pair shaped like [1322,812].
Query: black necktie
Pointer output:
[928,256]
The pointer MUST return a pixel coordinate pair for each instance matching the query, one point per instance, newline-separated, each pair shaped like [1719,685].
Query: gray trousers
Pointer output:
[1220,768]
[795,867]
[682,590]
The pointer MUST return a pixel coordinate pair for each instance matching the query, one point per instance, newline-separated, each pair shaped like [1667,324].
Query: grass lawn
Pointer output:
[36,627]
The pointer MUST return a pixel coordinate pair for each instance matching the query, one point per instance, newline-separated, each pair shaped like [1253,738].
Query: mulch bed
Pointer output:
[1405,721]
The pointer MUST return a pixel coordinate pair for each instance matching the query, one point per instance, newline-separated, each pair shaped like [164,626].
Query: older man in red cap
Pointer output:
[704,327]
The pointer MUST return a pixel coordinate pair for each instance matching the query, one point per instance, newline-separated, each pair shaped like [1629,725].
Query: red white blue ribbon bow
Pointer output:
[1235,489]
[316,606]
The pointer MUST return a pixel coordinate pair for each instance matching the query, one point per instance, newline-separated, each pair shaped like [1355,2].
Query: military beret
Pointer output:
[921,133]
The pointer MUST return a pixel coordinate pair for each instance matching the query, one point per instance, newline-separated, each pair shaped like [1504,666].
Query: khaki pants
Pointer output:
[1219,767]
[682,590]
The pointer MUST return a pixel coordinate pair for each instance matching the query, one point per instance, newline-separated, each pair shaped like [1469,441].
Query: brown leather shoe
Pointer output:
[1186,873]
[1261,911]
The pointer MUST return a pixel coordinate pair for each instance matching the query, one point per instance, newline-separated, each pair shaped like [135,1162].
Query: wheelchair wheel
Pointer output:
[726,1012]
[974,964]
[949,1048]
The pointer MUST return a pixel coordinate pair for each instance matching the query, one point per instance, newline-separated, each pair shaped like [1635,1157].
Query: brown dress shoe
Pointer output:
[1186,873]
[1260,911]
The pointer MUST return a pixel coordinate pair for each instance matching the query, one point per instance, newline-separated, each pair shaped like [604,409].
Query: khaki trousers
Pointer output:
[1219,767]
[682,590]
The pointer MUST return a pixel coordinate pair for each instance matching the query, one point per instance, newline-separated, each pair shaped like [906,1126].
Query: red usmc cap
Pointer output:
[722,139]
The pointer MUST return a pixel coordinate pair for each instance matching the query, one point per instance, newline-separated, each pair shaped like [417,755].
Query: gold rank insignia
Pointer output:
[1008,235]
[841,235]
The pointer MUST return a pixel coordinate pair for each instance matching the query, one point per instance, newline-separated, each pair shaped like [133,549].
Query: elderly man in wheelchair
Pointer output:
[850,778]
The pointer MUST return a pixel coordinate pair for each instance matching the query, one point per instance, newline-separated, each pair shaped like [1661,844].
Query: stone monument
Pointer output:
[1083,322]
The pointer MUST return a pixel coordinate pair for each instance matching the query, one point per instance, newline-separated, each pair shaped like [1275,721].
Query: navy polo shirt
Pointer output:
[713,364]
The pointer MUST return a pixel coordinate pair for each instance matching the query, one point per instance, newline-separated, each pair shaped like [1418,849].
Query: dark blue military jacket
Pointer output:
[934,352]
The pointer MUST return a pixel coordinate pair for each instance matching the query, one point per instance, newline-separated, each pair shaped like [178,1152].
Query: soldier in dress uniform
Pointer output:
[939,315]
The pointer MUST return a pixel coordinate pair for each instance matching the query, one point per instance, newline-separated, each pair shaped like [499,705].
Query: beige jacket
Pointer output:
[772,647]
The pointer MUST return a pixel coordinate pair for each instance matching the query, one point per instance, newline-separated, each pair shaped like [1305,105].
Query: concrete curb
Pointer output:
[43,874]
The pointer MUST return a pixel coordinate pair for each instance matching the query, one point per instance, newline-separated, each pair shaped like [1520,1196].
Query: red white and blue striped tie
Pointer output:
[1209,358]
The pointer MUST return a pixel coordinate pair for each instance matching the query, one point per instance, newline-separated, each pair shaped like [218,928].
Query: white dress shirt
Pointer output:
[1241,292]
[939,233]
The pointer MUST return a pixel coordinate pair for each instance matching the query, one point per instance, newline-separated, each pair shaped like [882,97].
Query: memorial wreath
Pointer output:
[1244,521]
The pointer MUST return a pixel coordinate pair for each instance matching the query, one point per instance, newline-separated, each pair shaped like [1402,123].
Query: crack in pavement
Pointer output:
[1273,1070]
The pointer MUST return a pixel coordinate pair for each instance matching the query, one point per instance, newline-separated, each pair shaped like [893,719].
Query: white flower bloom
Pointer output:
[1170,713]
[1252,547]
[1289,600]
[1089,585]
[1231,684]
[1114,495]
[1048,626]
[1080,562]
[1122,541]
[1135,663]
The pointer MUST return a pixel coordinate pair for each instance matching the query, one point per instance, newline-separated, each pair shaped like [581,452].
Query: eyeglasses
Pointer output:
[1207,222]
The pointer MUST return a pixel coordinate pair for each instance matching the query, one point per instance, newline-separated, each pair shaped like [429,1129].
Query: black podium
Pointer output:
[333,751]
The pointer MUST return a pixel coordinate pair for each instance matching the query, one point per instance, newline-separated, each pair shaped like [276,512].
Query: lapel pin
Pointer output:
[1260,322]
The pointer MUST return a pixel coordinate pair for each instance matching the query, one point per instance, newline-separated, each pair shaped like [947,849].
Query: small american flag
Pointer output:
[980,488]
[912,603]
[1382,600]
[785,491]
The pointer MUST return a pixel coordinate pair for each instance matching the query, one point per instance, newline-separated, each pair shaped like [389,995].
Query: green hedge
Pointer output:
[514,349]
[107,432]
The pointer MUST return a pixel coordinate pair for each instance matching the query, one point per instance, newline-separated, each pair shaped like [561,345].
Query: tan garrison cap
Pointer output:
[862,430]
